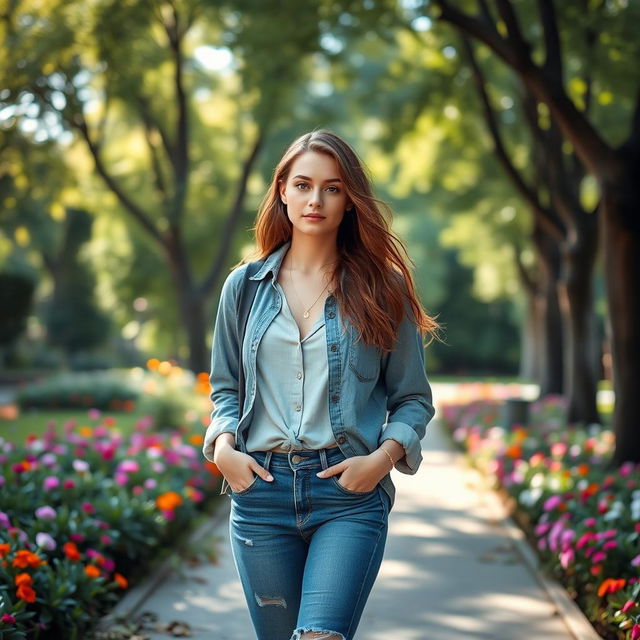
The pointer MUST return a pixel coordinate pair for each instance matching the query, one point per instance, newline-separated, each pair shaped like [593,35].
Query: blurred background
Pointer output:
[138,137]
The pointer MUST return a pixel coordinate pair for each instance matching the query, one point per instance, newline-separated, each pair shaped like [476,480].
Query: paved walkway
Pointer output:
[450,570]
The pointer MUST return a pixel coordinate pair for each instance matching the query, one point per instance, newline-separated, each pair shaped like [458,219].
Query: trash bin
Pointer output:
[514,411]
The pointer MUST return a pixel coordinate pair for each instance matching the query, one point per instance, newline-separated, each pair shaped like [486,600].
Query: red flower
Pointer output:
[611,585]
[26,593]
[71,551]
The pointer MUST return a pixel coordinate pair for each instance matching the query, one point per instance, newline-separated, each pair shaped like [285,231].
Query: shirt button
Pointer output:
[331,314]
[334,398]
[334,347]
[299,375]
[298,407]
[341,440]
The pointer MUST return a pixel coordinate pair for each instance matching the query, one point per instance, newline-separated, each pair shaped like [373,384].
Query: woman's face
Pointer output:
[314,194]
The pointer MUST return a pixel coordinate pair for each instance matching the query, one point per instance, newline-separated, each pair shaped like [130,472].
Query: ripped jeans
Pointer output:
[307,549]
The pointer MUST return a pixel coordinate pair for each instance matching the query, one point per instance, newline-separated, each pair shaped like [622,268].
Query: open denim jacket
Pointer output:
[372,396]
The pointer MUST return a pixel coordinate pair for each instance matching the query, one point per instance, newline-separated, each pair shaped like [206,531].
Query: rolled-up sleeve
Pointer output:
[225,413]
[409,397]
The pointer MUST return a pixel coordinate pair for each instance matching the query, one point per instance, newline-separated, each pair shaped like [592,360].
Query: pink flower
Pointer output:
[129,466]
[629,604]
[609,533]
[590,522]
[87,507]
[50,482]
[7,618]
[598,556]
[137,490]
[45,513]
[121,478]
[635,562]
[94,414]
[150,483]
[635,632]
[551,503]
[584,539]
[68,484]
[610,544]
[105,539]
[567,557]
[81,466]
[76,537]
[45,541]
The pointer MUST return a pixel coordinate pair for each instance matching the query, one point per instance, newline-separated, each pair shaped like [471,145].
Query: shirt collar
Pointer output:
[272,263]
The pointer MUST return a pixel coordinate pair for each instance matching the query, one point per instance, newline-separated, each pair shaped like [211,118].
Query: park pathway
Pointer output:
[450,570]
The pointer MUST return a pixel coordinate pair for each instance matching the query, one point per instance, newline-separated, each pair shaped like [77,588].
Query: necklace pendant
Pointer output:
[306,314]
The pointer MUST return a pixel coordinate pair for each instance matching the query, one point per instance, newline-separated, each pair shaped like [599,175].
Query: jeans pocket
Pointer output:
[349,492]
[246,489]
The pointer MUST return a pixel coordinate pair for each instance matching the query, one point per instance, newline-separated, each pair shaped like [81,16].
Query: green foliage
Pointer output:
[98,389]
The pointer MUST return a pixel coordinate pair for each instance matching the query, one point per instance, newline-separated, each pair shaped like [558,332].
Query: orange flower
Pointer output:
[71,551]
[153,364]
[23,578]
[168,501]
[611,585]
[92,571]
[26,593]
[5,549]
[196,439]
[121,580]
[583,469]
[86,432]
[514,451]
[24,559]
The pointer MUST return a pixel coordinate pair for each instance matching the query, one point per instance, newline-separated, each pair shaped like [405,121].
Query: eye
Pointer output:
[333,189]
[301,185]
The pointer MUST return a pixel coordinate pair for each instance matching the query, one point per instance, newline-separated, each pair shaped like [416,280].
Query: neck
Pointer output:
[310,255]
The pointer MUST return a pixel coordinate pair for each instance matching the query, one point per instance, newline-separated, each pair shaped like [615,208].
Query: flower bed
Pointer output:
[581,514]
[83,512]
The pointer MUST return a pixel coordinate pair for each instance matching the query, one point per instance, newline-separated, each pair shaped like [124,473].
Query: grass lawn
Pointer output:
[34,421]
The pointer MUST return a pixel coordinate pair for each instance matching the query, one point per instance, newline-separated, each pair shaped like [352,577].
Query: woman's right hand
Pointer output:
[238,468]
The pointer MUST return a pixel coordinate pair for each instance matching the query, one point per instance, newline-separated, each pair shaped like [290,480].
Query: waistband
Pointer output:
[299,458]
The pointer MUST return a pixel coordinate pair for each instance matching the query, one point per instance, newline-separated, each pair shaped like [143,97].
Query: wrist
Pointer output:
[384,459]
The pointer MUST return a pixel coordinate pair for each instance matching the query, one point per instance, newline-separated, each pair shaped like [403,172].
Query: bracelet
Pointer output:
[393,464]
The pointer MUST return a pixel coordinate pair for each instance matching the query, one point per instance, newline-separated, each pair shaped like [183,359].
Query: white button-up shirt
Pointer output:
[291,406]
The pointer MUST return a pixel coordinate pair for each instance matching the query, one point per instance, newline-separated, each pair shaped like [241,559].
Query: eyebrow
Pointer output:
[310,180]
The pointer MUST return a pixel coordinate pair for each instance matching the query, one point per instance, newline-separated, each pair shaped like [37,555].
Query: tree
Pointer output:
[615,166]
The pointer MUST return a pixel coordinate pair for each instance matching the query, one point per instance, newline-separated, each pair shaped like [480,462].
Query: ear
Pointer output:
[281,189]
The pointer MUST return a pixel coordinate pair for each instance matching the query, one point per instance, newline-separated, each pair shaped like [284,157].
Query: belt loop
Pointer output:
[267,460]
[323,458]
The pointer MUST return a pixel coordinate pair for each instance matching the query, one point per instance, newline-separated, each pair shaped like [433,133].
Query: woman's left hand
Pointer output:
[359,473]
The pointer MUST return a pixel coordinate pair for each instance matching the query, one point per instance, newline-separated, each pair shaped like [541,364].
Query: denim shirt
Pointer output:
[372,396]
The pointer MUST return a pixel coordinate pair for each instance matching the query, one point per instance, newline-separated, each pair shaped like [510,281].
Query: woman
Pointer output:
[333,341]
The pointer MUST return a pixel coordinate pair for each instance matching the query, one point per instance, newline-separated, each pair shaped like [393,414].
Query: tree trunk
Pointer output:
[576,293]
[621,246]
[551,346]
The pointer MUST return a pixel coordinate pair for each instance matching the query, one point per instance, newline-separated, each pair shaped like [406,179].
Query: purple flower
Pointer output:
[45,541]
[2,481]
[94,414]
[45,513]
[49,459]
[51,482]
[636,561]
[4,520]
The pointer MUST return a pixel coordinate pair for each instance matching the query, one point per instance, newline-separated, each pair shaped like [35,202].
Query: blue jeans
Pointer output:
[307,550]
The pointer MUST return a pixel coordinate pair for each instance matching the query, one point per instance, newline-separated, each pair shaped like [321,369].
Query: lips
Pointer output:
[315,216]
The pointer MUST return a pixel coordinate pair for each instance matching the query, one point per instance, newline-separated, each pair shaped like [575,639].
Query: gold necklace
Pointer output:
[293,286]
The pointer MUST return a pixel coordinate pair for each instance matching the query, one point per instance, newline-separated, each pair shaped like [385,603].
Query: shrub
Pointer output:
[582,515]
[81,515]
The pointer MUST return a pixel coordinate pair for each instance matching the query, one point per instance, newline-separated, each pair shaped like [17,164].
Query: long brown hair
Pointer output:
[373,261]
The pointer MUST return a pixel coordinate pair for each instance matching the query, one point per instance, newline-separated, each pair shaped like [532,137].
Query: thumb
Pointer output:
[262,472]
[332,471]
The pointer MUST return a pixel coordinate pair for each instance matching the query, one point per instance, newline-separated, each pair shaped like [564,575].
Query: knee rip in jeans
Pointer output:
[317,635]
[264,601]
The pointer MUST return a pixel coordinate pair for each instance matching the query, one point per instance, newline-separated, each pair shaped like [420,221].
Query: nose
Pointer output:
[315,198]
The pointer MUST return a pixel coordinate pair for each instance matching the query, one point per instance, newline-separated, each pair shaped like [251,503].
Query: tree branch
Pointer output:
[232,220]
[127,203]
[594,152]
[546,218]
